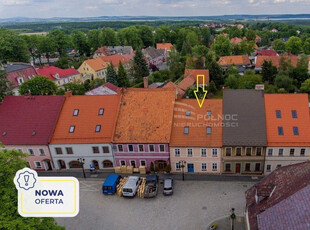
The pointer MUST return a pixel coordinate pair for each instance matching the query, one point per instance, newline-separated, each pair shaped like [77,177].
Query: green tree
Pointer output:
[306,46]
[10,162]
[93,39]
[111,75]
[250,35]
[176,66]
[75,88]
[161,76]
[300,73]
[80,42]
[122,76]
[63,62]
[305,86]
[212,87]
[249,80]
[96,83]
[279,46]
[61,40]
[140,68]
[222,46]
[216,73]
[269,72]
[108,37]
[5,85]
[146,35]
[232,82]
[294,45]
[32,42]
[285,82]
[206,36]
[130,36]
[162,34]
[192,39]
[46,46]
[38,85]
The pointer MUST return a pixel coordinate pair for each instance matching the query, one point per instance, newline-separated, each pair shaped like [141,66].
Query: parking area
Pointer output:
[193,205]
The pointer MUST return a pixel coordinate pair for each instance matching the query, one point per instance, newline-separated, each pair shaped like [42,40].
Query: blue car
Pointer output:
[109,186]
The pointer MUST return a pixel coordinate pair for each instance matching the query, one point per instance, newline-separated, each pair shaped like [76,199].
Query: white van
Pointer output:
[131,186]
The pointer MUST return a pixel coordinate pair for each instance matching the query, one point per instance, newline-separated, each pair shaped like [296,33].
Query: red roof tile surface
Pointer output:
[25,73]
[234,60]
[192,73]
[115,59]
[266,53]
[163,46]
[51,72]
[29,120]
[235,40]
[172,85]
[275,60]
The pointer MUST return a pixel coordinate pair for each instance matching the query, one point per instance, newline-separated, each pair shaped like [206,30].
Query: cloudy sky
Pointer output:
[88,8]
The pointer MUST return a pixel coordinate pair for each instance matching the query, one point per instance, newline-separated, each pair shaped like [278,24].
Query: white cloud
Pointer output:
[279,1]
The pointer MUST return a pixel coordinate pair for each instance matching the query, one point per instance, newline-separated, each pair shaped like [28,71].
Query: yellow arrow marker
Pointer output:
[200,101]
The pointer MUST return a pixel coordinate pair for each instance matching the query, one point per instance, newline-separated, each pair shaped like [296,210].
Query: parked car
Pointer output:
[151,186]
[109,186]
[168,186]
[131,186]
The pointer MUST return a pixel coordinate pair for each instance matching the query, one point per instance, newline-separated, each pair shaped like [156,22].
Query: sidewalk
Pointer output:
[193,177]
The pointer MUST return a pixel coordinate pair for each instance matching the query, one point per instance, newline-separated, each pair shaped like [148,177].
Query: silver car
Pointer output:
[168,186]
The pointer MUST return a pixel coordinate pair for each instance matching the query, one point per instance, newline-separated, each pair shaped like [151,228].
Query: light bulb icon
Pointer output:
[26,177]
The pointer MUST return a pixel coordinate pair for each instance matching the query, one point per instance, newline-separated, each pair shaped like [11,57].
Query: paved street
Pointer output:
[193,205]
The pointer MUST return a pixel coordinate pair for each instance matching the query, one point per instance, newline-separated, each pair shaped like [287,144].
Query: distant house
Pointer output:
[93,68]
[242,62]
[60,76]
[276,60]
[27,124]
[172,85]
[235,41]
[268,52]
[18,73]
[280,200]
[164,46]
[105,89]
[274,30]
[155,56]
[117,58]
[111,50]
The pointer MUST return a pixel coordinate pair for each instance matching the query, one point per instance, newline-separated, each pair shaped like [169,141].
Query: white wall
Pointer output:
[81,151]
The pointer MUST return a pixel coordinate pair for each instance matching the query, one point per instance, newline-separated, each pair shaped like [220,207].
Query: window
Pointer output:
[58,150]
[227,167]
[203,166]
[123,163]
[214,152]
[105,149]
[278,113]
[248,151]
[268,169]
[71,129]
[186,130]
[141,148]
[280,152]
[280,130]
[42,153]
[302,152]
[248,167]
[101,111]
[98,128]
[209,130]
[203,152]
[278,166]
[176,152]
[294,114]
[20,150]
[20,80]
[258,151]
[120,148]
[295,131]
[75,112]
[152,149]
[142,163]
[209,113]
[162,148]
[238,151]
[130,148]
[69,150]
[214,166]
[270,151]
[228,152]
[38,164]
[292,151]
[95,149]
[188,113]
[30,151]
[257,167]
[177,166]
[133,163]
[189,152]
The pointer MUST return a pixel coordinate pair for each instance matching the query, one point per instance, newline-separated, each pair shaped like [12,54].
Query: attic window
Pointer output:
[98,128]
[101,111]
[280,131]
[71,129]
[4,133]
[209,113]
[186,130]
[34,133]
[188,113]
[76,112]
[294,114]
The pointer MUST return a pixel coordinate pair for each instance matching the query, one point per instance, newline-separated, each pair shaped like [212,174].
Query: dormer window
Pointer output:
[101,111]
[4,133]
[57,76]
[209,113]
[188,113]
[76,112]
[98,128]
[34,133]
[20,80]
[186,130]
[71,129]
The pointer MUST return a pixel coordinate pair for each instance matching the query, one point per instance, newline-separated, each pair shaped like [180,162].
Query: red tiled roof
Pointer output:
[234,60]
[111,86]
[22,73]
[192,73]
[96,64]
[163,46]
[174,86]
[286,103]
[145,116]
[51,72]
[197,122]
[115,59]
[87,119]
[235,40]
[21,116]
[286,181]
[275,60]
[186,83]
[266,53]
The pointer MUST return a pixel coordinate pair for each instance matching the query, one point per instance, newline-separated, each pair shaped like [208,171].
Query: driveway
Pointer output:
[193,205]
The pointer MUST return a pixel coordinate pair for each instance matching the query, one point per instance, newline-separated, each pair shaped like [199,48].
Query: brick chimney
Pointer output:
[145,82]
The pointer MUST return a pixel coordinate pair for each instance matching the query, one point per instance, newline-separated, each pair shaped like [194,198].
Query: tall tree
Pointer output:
[5,85]
[306,46]
[146,34]
[111,75]
[250,35]
[140,68]
[107,37]
[300,73]
[46,47]
[216,73]
[10,162]
[222,46]
[283,81]
[294,45]
[61,40]
[279,46]
[32,42]
[269,72]
[80,42]
[75,88]
[130,36]
[305,86]
[206,36]
[93,39]
[249,80]
[122,77]
[174,63]
[38,85]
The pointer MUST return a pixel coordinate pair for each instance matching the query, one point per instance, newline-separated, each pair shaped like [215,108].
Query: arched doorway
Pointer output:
[47,164]
[107,164]
[160,165]
[75,164]
[61,164]
[96,164]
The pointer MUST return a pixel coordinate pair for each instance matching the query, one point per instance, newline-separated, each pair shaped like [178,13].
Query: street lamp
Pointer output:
[233,217]
[182,163]
[81,160]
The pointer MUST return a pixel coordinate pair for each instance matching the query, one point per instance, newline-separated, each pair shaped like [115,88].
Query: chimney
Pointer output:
[145,82]
[68,94]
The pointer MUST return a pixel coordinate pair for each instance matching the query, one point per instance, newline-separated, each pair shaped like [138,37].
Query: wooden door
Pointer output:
[238,167]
